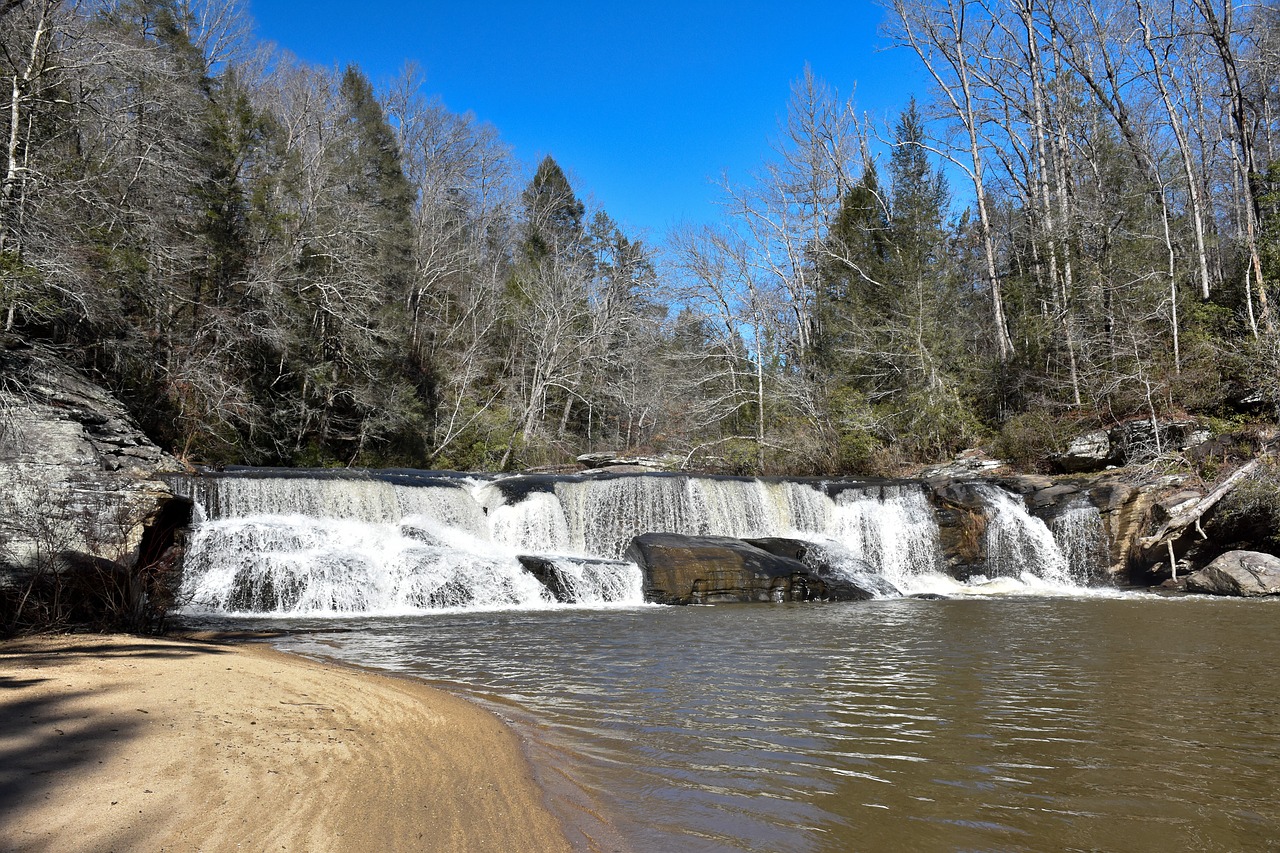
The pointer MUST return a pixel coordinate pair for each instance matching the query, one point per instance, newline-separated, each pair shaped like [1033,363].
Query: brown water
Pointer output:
[1139,724]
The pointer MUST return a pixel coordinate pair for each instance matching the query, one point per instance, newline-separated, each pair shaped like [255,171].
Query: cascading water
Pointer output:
[1017,543]
[1082,537]
[604,515]
[893,529]
[315,545]
[406,542]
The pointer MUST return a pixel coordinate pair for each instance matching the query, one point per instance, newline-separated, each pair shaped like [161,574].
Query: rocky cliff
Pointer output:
[80,487]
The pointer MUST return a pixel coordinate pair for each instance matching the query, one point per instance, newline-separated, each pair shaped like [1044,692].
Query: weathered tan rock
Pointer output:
[1244,573]
[717,569]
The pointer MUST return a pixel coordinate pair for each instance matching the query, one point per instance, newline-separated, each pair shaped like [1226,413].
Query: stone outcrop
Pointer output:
[628,463]
[80,484]
[1092,451]
[714,570]
[1126,443]
[718,569]
[1243,573]
[967,463]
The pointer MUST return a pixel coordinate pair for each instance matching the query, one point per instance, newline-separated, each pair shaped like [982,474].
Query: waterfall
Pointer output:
[893,529]
[604,515]
[1082,537]
[406,542]
[587,581]
[1017,543]
[325,544]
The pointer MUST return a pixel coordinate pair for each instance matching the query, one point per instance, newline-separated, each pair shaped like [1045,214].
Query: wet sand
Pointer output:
[116,743]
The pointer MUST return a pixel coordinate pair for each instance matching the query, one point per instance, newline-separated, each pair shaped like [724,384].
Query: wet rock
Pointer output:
[962,523]
[792,549]
[551,573]
[717,569]
[846,575]
[1243,573]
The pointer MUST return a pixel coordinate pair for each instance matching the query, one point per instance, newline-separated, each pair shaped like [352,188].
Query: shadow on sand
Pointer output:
[47,736]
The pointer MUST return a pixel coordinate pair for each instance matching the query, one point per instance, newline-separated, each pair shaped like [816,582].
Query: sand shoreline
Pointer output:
[127,743]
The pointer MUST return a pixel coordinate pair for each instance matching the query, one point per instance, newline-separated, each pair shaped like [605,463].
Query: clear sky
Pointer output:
[643,104]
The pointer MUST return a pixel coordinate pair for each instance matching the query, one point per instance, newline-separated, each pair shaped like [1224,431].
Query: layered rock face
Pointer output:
[720,569]
[77,477]
[715,569]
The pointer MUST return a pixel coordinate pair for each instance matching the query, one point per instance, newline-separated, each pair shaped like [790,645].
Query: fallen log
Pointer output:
[1175,526]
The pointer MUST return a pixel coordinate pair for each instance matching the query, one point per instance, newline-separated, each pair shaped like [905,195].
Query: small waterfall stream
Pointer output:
[1080,533]
[402,542]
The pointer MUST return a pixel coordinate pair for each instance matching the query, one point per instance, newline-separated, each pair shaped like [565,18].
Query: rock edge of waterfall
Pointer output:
[89,531]
[86,503]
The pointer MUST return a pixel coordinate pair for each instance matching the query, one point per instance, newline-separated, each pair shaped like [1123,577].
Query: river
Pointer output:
[1098,722]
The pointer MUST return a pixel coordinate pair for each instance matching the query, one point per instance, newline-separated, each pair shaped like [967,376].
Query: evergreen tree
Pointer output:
[553,213]
[377,181]
[917,206]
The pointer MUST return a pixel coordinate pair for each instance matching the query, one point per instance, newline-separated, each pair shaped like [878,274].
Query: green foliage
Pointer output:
[275,263]
[553,213]
[22,291]
[1029,438]
[376,179]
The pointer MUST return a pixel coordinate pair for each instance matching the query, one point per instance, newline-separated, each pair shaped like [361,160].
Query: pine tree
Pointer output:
[377,181]
[553,213]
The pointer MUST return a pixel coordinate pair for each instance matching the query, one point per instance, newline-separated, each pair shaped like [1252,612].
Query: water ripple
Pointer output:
[953,725]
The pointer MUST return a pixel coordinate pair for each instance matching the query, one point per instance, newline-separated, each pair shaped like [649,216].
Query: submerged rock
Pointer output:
[847,576]
[1243,573]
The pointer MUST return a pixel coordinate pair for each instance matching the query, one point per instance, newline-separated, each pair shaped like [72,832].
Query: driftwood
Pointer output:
[1174,527]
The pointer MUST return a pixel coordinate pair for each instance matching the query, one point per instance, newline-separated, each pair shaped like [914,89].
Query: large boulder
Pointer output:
[717,569]
[1092,451]
[1245,573]
[80,486]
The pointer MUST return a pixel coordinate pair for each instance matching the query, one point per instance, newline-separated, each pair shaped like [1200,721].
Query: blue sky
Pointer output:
[644,105]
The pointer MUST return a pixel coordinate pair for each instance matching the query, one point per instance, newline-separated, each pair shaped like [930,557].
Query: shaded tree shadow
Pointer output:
[46,736]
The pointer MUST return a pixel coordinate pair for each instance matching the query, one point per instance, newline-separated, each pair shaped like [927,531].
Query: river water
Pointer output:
[1011,724]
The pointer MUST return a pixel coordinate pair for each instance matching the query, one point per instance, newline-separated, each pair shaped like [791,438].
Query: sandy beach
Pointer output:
[116,743]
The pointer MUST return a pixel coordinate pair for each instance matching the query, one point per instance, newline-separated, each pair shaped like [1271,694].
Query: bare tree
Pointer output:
[949,40]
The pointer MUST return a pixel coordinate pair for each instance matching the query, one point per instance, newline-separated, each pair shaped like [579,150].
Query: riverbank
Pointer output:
[124,743]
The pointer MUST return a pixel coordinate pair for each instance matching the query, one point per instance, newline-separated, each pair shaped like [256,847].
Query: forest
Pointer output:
[275,263]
